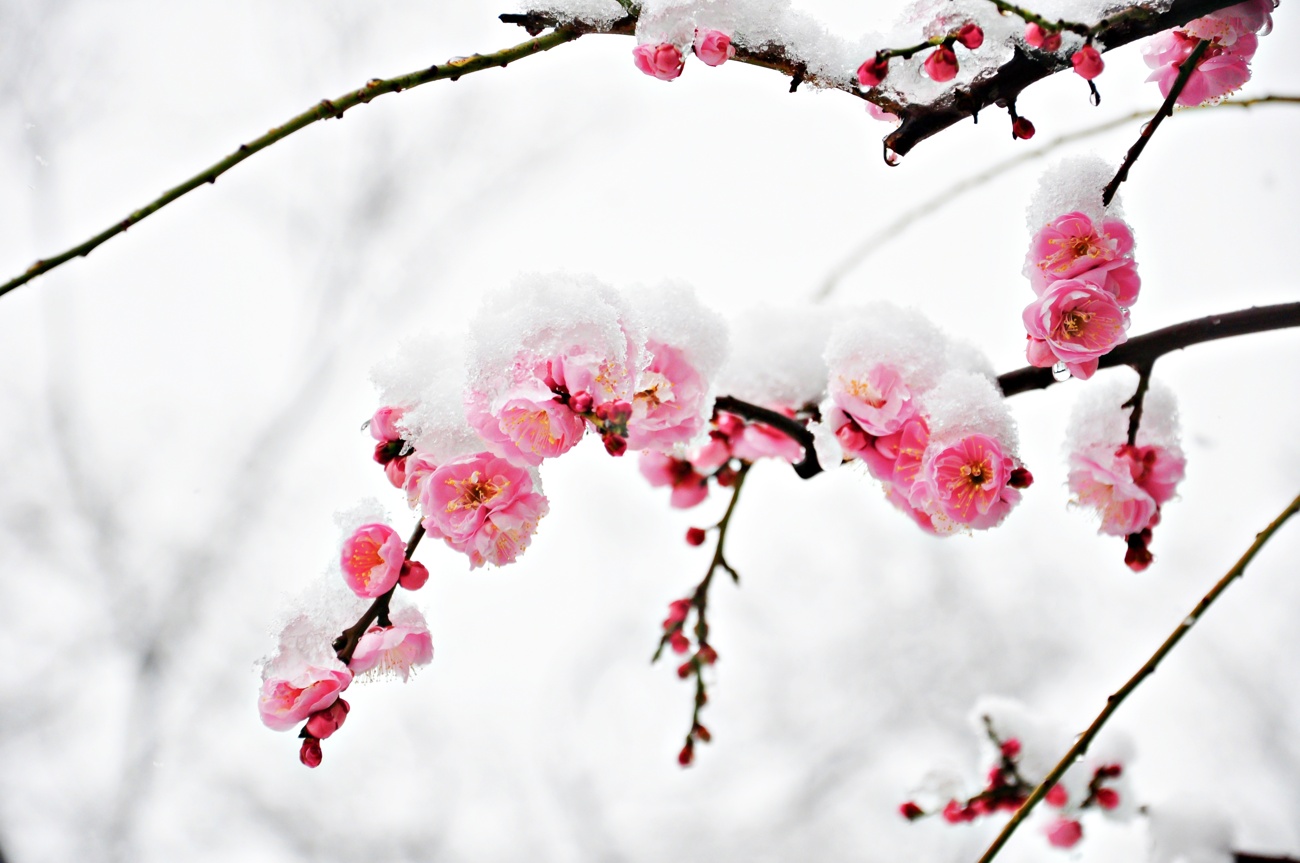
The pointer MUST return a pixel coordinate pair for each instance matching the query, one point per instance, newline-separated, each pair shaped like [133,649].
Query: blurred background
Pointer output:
[180,415]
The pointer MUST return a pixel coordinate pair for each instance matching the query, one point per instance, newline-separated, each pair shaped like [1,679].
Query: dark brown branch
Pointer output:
[1004,84]
[1146,348]
[1166,110]
[1243,857]
[1138,399]
[793,429]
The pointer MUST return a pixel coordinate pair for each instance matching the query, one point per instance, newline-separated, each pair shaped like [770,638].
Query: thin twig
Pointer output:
[1166,110]
[323,110]
[880,238]
[1114,701]
[1139,397]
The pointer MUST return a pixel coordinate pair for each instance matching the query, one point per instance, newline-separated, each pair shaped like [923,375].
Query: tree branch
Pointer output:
[791,428]
[1114,701]
[1149,347]
[346,644]
[323,110]
[1166,110]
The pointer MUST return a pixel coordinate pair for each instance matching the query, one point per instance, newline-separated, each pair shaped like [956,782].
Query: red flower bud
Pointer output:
[971,36]
[310,753]
[1057,796]
[1020,478]
[872,72]
[911,811]
[615,445]
[687,755]
[1023,130]
[1107,798]
[695,536]
[325,722]
[414,575]
[580,403]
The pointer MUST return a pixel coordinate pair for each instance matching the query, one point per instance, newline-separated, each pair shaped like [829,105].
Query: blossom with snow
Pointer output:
[372,559]
[483,506]
[941,64]
[1075,323]
[294,687]
[670,402]
[1073,246]
[713,47]
[394,650]
[663,61]
[1087,62]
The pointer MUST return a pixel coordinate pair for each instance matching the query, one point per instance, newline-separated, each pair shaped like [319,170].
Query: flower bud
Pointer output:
[911,811]
[872,71]
[323,723]
[1107,798]
[580,402]
[663,61]
[310,753]
[1022,129]
[685,669]
[695,536]
[1020,478]
[414,575]
[707,654]
[1042,38]
[726,476]
[679,643]
[1064,833]
[701,733]
[615,445]
[1011,748]
[687,755]
[1087,62]
[941,65]
[1057,796]
[713,47]
[971,35]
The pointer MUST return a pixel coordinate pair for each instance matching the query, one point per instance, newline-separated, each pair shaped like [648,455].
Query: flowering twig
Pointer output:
[807,467]
[1115,700]
[323,110]
[1166,110]
[1155,344]
[879,239]
[1139,396]
[699,603]
[346,644]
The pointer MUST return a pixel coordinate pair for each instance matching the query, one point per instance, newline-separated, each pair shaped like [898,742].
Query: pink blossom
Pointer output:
[714,454]
[671,403]
[971,35]
[1221,69]
[418,467]
[1156,470]
[294,688]
[1071,246]
[1064,833]
[372,559]
[1227,25]
[759,440]
[383,425]
[1075,322]
[394,650]
[1087,62]
[1042,38]
[395,470]
[872,71]
[713,47]
[879,113]
[663,61]
[878,401]
[689,487]
[1100,480]
[1057,796]
[483,506]
[967,482]
[941,65]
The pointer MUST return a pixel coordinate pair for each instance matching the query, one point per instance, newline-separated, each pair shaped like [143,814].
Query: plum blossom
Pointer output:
[662,61]
[483,506]
[294,687]
[670,402]
[1040,37]
[383,425]
[970,483]
[531,419]
[394,650]
[879,402]
[1222,68]
[1071,246]
[689,488]
[1105,484]
[1087,62]
[971,36]
[713,47]
[1076,323]
[1227,25]
[371,559]
[1063,833]
[872,71]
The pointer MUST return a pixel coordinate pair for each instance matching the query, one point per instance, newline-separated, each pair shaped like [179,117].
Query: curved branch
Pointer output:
[791,428]
[323,110]
[1146,348]
[1114,701]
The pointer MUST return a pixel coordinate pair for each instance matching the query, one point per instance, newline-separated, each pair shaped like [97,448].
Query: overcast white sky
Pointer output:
[179,418]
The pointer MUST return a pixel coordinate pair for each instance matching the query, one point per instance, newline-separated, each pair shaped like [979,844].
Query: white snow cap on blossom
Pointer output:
[1072,185]
[1100,419]
[964,403]
[427,377]
[884,334]
[777,355]
[672,314]
[1185,831]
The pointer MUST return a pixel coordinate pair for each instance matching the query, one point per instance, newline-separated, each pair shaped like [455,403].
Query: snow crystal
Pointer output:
[1099,417]
[776,356]
[1189,832]
[598,12]
[1072,185]
[672,314]
[964,403]
[427,377]
[883,334]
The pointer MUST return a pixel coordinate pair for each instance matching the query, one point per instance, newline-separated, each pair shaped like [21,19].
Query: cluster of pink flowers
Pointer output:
[1127,485]
[1004,791]
[1224,66]
[1065,829]
[1085,280]
[940,64]
[886,415]
[665,61]
[731,440]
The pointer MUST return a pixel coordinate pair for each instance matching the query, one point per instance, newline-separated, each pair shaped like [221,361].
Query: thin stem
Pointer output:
[1114,701]
[1166,110]
[1139,397]
[346,644]
[1155,344]
[323,110]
